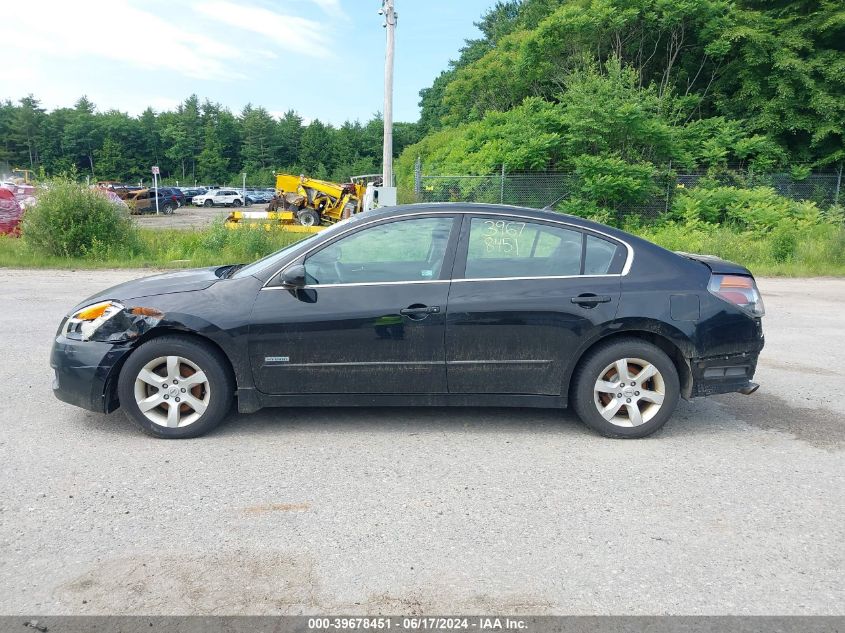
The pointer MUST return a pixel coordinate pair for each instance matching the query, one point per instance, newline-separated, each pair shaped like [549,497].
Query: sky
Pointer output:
[322,58]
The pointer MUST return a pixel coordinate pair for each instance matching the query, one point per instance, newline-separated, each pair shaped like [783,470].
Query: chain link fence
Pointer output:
[539,189]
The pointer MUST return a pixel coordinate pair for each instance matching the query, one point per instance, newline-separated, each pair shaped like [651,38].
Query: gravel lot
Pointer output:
[190,217]
[736,507]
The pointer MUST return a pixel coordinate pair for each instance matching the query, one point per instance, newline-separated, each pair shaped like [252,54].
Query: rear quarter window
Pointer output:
[603,257]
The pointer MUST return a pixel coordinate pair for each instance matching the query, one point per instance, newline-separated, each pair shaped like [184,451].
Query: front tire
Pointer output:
[208,203]
[627,388]
[176,387]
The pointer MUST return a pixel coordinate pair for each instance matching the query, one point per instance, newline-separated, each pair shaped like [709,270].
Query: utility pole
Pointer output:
[390,17]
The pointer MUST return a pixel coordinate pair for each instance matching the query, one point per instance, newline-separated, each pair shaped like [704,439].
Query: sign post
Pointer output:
[155,185]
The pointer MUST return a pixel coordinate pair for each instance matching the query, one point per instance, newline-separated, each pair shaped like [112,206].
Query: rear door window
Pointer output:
[503,247]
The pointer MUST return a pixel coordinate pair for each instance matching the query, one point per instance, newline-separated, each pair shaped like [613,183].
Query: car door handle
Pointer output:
[590,301]
[419,311]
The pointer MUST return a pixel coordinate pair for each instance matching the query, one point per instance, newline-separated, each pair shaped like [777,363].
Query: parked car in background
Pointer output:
[259,196]
[436,304]
[191,192]
[112,196]
[219,198]
[144,201]
[20,190]
[174,194]
[121,189]
[11,213]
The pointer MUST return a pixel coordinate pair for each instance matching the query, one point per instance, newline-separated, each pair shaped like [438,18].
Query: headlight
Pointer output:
[111,321]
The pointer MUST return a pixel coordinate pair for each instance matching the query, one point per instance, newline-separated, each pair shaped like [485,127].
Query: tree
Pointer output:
[26,130]
[315,148]
[111,159]
[82,135]
[183,136]
[258,130]
[212,166]
[288,138]
[786,75]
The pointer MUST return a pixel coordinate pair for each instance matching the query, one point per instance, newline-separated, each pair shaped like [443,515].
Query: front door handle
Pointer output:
[590,301]
[418,311]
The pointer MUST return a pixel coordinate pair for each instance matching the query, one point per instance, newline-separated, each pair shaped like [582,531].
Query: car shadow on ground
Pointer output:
[273,422]
[702,417]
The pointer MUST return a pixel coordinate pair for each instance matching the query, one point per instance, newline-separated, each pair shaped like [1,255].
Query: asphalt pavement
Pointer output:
[735,507]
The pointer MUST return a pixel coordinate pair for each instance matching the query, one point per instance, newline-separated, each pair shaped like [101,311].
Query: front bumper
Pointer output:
[723,374]
[85,371]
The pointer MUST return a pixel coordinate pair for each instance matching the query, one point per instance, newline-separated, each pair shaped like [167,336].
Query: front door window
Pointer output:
[406,250]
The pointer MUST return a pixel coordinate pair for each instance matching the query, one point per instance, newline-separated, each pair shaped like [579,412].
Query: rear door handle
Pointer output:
[590,301]
[419,312]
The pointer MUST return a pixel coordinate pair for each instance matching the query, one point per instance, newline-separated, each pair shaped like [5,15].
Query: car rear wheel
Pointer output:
[175,387]
[208,203]
[626,388]
[168,209]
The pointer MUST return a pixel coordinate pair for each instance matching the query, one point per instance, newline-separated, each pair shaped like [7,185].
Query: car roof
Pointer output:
[476,207]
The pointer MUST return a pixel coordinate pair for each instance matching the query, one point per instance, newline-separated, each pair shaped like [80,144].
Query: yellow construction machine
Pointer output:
[22,176]
[307,204]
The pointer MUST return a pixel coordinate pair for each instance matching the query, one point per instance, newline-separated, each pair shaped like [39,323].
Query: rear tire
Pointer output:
[168,209]
[605,399]
[176,367]
[308,217]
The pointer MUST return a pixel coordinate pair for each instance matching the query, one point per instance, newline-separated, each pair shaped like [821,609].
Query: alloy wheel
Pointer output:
[629,392]
[172,391]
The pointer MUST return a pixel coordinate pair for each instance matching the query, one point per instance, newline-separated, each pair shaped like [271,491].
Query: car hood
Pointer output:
[717,265]
[167,283]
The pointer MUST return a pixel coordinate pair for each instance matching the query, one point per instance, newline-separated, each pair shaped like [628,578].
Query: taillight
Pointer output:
[738,290]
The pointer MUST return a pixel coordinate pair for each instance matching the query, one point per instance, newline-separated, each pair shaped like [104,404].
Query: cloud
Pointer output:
[118,31]
[289,32]
[330,7]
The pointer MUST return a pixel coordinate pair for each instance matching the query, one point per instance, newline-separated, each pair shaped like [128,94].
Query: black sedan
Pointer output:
[449,304]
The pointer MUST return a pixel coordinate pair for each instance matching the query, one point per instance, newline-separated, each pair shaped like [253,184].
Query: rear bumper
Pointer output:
[84,372]
[723,374]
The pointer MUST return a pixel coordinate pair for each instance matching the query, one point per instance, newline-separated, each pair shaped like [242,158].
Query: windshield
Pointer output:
[274,259]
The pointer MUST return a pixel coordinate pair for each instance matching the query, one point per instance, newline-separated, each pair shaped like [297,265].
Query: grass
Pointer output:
[160,249]
[815,251]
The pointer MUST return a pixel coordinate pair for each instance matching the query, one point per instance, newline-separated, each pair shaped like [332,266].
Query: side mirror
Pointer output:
[294,276]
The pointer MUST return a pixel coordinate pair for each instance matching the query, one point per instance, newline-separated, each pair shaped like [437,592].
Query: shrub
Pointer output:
[611,182]
[756,209]
[71,220]
[783,240]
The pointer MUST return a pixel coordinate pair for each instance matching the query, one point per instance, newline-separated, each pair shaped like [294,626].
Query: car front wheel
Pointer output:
[626,388]
[175,387]
[208,203]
